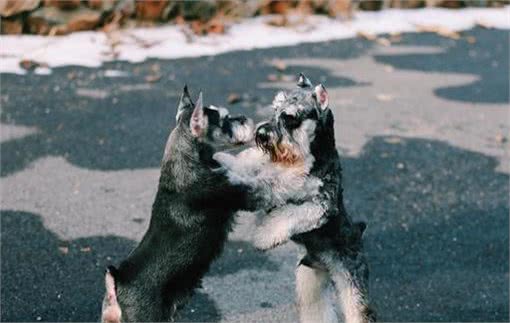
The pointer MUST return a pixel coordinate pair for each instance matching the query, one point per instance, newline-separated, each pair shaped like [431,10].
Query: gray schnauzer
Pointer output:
[295,173]
[191,217]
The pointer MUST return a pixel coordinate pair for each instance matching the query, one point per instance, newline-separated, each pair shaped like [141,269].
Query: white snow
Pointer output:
[92,48]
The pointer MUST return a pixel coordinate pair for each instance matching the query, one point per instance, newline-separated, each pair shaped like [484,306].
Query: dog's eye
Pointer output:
[290,121]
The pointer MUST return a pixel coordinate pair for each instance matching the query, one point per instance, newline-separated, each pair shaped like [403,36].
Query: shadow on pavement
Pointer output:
[437,242]
[488,60]
[41,280]
[43,276]
[438,230]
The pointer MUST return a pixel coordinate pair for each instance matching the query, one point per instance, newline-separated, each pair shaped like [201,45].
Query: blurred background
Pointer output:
[420,95]
[59,17]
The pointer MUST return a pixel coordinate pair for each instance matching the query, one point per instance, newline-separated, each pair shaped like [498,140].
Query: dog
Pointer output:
[296,173]
[191,217]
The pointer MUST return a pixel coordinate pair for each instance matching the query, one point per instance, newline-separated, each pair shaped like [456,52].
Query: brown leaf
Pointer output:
[29,64]
[272,77]
[484,24]
[393,140]
[366,35]
[278,21]
[500,138]
[384,97]
[153,78]
[84,21]
[12,26]
[279,65]
[233,98]
[471,39]
[440,30]
[85,249]
[63,250]
[216,26]
[383,41]
[395,37]
[71,75]
[12,7]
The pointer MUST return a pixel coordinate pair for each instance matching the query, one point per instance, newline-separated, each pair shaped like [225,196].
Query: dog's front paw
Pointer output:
[224,159]
[269,237]
[322,220]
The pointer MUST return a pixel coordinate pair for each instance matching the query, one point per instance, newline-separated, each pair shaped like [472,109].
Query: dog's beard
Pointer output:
[283,153]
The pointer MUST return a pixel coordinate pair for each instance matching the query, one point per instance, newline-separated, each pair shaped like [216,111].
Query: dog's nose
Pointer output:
[242,119]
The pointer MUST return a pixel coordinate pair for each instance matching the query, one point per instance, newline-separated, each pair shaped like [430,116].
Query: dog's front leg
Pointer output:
[284,222]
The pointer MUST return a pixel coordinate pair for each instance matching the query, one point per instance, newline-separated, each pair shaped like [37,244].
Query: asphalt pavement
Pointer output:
[422,128]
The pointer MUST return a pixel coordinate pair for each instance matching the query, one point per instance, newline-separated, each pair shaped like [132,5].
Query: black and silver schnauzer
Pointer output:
[191,217]
[296,175]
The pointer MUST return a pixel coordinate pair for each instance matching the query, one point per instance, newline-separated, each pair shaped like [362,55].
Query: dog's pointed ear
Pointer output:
[303,81]
[198,122]
[322,97]
[111,309]
[184,103]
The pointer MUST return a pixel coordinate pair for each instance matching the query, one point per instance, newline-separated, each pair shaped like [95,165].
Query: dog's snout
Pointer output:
[242,119]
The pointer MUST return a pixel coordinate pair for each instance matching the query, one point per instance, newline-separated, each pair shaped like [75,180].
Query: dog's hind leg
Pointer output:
[315,296]
[351,279]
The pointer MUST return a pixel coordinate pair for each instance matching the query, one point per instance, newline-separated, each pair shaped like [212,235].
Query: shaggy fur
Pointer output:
[297,176]
[191,217]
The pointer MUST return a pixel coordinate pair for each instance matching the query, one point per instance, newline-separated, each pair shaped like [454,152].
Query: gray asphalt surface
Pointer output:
[421,126]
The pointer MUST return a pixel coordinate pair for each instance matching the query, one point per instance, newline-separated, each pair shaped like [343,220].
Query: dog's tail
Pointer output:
[111,309]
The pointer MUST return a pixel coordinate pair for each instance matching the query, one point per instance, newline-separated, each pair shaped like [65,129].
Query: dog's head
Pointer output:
[212,125]
[302,122]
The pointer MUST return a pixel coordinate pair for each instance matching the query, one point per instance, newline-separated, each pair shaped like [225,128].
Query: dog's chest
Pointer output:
[294,186]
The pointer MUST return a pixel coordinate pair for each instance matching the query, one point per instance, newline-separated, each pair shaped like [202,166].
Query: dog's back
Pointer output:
[190,220]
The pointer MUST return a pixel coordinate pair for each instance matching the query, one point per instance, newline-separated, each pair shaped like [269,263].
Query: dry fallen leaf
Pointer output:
[278,21]
[287,78]
[383,41]
[388,68]
[279,65]
[393,140]
[384,97]
[500,138]
[233,98]
[372,37]
[85,249]
[272,77]
[471,39]
[29,64]
[366,35]
[63,250]
[484,24]
[71,75]
[440,30]
[153,78]
[395,37]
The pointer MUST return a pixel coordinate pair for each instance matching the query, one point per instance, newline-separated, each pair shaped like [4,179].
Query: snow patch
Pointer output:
[91,49]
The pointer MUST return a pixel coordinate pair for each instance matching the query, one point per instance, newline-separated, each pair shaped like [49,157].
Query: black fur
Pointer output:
[191,217]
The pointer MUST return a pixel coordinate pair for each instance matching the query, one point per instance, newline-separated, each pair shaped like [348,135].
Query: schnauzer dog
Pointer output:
[296,176]
[191,217]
